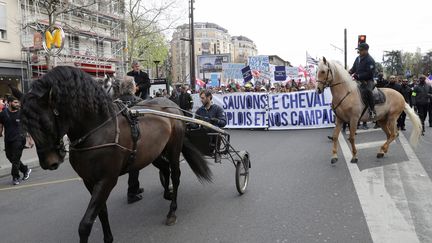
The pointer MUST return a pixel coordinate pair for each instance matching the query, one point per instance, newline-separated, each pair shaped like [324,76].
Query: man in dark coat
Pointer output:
[142,81]
[185,100]
[127,90]
[393,84]
[363,70]
[421,97]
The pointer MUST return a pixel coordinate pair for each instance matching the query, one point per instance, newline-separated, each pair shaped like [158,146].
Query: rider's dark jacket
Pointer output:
[364,67]
[214,115]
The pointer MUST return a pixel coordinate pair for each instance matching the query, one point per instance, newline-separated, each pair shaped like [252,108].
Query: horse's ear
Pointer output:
[324,60]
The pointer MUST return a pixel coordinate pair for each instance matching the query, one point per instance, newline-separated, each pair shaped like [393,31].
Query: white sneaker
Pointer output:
[27,174]
[15,182]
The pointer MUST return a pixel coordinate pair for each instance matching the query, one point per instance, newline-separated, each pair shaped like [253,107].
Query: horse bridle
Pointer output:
[326,82]
[59,146]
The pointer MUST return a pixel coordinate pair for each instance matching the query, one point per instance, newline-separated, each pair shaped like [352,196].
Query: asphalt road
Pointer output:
[294,195]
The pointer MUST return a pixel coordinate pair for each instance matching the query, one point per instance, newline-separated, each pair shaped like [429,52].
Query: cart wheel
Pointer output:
[242,174]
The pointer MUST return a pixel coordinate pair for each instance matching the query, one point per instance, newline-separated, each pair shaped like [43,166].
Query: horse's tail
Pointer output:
[196,161]
[417,126]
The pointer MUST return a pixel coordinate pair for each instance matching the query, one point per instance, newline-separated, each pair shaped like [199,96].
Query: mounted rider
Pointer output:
[363,70]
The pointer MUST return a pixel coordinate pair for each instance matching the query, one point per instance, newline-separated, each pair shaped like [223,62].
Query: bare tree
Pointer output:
[145,19]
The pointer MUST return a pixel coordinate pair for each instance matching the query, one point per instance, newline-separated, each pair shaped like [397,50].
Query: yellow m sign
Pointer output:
[54,38]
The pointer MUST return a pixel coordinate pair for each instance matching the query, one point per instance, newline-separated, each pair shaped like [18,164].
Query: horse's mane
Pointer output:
[71,91]
[342,75]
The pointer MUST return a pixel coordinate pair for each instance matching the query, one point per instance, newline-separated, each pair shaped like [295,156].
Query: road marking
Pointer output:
[39,184]
[365,131]
[385,209]
[370,144]
[416,180]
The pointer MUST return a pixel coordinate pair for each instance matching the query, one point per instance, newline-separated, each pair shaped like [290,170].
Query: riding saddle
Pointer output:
[378,96]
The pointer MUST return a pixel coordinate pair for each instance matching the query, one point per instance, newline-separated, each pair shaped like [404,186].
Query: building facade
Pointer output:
[11,67]
[210,39]
[242,48]
[95,36]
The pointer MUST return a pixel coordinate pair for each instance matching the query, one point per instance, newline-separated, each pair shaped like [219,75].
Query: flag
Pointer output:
[199,84]
[310,60]
[303,70]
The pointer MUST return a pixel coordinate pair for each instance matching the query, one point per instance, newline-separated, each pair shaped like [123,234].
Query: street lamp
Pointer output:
[192,45]
[157,69]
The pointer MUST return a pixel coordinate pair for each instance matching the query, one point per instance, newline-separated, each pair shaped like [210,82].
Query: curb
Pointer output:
[31,163]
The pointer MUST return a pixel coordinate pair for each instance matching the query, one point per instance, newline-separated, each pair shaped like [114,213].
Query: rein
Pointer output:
[340,102]
[327,84]
[84,137]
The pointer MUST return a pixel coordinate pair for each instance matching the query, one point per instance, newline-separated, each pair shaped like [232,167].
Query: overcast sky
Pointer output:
[290,28]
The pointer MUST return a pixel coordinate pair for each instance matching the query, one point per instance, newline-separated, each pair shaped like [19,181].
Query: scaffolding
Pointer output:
[95,36]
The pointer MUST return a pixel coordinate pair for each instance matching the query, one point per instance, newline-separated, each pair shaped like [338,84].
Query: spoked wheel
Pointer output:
[242,173]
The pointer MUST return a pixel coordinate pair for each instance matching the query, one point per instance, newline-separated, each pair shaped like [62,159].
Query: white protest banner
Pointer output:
[280,111]
[242,110]
[300,110]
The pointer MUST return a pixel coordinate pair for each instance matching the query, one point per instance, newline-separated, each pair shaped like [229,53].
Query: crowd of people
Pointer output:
[417,93]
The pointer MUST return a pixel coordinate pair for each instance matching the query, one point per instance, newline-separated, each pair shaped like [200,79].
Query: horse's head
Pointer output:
[324,75]
[44,123]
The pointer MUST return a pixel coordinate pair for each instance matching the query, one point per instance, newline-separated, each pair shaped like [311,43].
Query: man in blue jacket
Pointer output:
[210,112]
[363,71]
[213,114]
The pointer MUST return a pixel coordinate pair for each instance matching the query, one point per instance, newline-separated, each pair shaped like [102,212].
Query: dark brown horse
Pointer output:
[68,101]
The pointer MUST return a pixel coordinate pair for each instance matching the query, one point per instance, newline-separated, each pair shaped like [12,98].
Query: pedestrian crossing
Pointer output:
[396,198]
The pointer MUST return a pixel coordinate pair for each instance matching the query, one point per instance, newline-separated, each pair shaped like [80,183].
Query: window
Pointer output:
[100,48]
[74,44]
[3,20]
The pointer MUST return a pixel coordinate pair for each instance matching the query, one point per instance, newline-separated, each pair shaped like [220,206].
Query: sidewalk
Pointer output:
[29,158]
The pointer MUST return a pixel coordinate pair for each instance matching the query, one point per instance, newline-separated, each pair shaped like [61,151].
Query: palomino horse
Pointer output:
[348,107]
[68,101]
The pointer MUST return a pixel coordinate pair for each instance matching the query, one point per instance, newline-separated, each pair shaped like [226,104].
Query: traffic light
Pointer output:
[361,39]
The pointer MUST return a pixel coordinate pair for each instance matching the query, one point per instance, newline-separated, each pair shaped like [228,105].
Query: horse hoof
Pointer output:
[171,221]
[334,160]
[380,155]
[354,160]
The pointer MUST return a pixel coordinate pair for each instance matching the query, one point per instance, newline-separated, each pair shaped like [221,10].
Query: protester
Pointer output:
[15,139]
[185,100]
[127,95]
[421,95]
[142,81]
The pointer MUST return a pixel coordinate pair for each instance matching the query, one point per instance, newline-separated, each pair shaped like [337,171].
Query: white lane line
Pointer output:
[365,131]
[17,187]
[385,221]
[419,186]
[370,144]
